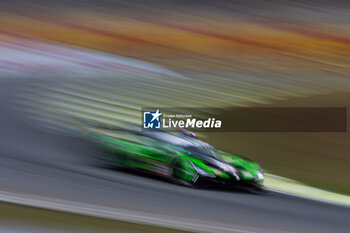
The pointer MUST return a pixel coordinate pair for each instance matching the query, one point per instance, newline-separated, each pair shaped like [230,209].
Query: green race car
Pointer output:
[178,156]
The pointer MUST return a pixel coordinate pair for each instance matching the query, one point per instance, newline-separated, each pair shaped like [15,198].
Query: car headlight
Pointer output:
[260,175]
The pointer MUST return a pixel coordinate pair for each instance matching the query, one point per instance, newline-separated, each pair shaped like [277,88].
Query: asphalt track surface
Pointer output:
[35,161]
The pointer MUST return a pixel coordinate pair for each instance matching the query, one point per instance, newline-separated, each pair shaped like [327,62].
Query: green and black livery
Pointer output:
[178,156]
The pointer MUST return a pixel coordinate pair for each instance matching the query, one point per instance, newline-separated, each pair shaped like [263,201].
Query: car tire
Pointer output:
[176,168]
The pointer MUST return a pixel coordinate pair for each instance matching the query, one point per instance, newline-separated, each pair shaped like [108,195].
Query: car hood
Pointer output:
[229,166]
[248,169]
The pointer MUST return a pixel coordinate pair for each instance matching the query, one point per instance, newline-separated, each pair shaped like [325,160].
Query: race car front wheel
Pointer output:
[177,169]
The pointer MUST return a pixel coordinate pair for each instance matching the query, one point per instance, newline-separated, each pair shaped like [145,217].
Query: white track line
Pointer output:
[125,215]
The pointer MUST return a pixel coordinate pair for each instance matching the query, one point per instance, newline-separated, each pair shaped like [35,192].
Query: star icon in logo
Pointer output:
[156,115]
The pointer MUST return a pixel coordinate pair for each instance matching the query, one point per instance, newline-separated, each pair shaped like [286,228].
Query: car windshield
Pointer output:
[197,147]
[170,138]
[204,150]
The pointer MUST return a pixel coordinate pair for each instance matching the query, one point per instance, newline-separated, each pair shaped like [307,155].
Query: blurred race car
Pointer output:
[180,156]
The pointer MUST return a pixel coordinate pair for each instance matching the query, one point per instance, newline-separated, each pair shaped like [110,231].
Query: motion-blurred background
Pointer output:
[103,60]
[225,53]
